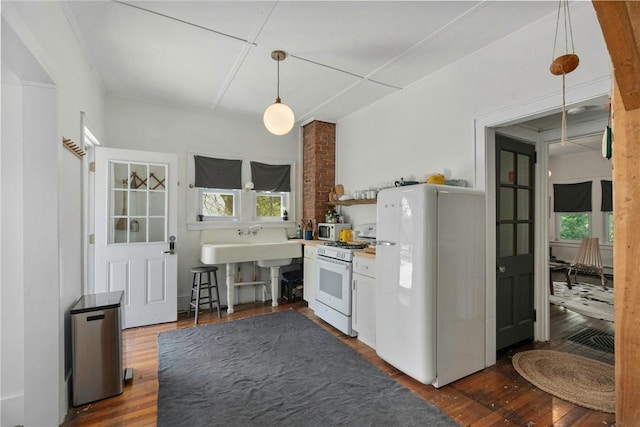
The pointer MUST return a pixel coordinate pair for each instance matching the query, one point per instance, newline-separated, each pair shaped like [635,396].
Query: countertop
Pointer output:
[360,253]
[364,254]
[309,242]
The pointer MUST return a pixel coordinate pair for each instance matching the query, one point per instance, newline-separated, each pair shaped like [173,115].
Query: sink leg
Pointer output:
[231,268]
[275,276]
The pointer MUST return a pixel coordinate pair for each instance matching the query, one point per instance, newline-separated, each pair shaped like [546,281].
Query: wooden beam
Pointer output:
[626,268]
[620,23]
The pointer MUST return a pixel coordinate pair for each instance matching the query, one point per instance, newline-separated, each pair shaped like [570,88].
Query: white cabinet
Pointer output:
[310,281]
[363,299]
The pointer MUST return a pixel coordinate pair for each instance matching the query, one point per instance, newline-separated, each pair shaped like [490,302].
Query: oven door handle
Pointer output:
[384,243]
[344,265]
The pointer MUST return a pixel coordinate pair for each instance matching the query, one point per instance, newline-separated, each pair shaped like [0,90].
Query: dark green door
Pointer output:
[514,241]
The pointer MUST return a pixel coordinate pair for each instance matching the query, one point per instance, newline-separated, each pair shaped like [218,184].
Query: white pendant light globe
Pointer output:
[278,118]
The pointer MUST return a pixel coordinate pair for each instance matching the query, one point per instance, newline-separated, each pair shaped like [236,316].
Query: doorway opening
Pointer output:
[580,160]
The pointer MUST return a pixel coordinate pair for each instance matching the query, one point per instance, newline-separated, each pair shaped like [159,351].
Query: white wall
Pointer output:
[32,363]
[151,127]
[429,127]
[444,124]
[12,254]
[43,337]
[581,167]
[40,37]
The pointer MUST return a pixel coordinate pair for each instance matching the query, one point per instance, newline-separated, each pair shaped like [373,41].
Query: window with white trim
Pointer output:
[573,225]
[264,196]
[218,203]
[270,205]
[608,227]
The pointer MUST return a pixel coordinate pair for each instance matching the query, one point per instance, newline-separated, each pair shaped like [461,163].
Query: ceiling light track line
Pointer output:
[344,71]
[182,21]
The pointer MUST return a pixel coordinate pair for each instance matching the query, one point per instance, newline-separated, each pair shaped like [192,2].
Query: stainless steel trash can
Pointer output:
[96,336]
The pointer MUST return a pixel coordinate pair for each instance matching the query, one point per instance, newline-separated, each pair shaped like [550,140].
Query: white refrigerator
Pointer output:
[430,286]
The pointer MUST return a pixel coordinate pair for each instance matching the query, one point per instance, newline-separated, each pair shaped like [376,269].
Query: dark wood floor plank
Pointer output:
[496,396]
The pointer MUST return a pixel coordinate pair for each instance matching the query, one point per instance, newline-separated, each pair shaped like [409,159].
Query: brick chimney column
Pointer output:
[319,165]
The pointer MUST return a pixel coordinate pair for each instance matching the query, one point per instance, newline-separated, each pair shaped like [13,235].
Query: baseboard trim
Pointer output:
[12,410]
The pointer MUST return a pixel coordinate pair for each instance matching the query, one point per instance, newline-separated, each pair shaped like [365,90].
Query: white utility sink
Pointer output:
[267,247]
[225,253]
[274,262]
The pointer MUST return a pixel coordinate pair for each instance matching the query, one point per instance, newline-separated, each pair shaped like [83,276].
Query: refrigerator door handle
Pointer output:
[384,243]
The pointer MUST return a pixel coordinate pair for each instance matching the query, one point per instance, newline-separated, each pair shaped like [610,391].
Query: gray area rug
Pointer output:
[278,369]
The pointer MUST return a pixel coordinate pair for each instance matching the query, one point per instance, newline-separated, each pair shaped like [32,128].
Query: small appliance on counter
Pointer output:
[365,233]
[332,231]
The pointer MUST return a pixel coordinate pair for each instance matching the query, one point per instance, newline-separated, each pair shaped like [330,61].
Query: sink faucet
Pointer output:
[253,230]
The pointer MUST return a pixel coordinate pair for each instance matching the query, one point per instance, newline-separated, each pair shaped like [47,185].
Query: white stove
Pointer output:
[340,250]
[333,273]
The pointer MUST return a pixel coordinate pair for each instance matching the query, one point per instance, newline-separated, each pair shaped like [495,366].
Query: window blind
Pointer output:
[607,196]
[572,197]
[218,173]
[271,177]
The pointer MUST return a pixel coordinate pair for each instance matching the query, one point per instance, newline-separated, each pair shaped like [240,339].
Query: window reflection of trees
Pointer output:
[217,204]
[268,205]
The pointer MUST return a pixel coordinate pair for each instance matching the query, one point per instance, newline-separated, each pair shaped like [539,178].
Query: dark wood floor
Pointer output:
[496,396]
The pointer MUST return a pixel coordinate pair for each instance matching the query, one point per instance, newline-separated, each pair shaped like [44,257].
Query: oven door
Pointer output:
[334,284]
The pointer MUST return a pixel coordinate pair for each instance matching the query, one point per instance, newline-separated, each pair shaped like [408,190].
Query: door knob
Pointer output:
[170,252]
[502,269]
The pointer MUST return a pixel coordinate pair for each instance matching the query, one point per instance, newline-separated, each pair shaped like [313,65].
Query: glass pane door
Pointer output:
[137,202]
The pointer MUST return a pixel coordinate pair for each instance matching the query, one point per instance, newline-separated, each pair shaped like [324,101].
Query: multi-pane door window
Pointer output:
[515,204]
[138,202]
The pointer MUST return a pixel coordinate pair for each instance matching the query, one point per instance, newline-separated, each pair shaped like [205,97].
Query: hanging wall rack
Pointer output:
[71,146]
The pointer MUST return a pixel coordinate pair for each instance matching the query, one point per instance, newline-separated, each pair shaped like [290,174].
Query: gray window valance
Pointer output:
[572,197]
[607,196]
[218,173]
[271,177]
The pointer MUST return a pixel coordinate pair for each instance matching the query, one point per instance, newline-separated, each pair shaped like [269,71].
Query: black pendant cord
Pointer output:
[278,84]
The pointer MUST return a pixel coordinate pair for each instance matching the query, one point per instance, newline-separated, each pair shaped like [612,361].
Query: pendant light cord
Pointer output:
[278,84]
[563,133]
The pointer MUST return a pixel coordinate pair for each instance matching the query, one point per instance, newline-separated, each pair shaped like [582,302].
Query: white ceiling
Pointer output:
[343,55]
[586,122]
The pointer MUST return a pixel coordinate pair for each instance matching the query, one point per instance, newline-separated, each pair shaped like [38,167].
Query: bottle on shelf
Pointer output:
[328,218]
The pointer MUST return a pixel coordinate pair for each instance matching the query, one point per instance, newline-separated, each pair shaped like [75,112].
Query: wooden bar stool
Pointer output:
[197,299]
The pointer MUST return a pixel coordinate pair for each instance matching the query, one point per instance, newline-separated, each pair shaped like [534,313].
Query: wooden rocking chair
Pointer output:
[588,260]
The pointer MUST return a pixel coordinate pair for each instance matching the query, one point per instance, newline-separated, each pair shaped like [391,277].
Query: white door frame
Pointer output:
[484,178]
[88,207]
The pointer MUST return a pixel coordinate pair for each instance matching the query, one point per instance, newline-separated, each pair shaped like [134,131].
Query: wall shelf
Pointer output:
[353,202]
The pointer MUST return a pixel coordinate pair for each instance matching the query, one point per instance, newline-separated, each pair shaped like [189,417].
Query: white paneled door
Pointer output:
[135,232]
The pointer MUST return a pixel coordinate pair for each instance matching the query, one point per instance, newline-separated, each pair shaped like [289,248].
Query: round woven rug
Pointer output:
[576,379]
